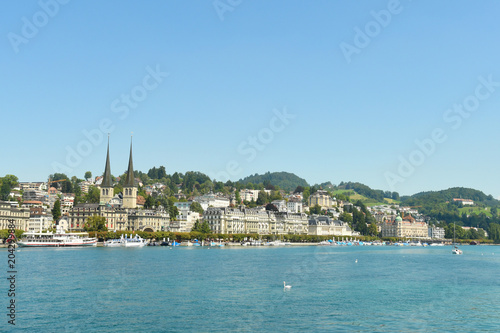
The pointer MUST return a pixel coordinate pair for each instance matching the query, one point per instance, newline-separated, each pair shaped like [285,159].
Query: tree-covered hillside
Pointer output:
[377,195]
[285,180]
[433,197]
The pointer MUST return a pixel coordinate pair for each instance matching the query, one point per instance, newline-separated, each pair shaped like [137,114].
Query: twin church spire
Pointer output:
[129,189]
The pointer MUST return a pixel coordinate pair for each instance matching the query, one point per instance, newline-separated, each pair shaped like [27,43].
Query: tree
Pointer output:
[201,227]
[196,207]
[93,196]
[306,194]
[237,197]
[262,199]
[372,229]
[149,203]
[346,217]
[56,210]
[176,178]
[299,189]
[7,183]
[316,209]
[172,210]
[205,227]
[118,189]
[96,223]
[271,207]
[494,232]
[87,175]
[494,212]
[66,186]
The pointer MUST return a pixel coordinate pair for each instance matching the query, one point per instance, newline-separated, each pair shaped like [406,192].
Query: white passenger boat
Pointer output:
[57,239]
[137,241]
[114,242]
[125,241]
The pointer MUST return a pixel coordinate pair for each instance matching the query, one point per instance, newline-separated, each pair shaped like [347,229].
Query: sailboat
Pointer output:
[455,250]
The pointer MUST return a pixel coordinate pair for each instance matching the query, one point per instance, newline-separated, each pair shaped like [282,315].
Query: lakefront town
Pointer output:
[271,209]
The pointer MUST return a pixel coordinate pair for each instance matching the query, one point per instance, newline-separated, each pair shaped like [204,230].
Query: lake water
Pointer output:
[388,289]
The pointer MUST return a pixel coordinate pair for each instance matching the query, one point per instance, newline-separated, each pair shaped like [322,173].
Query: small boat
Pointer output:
[456,250]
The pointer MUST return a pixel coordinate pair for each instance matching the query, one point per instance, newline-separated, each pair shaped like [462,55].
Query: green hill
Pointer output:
[366,191]
[354,196]
[285,180]
[436,197]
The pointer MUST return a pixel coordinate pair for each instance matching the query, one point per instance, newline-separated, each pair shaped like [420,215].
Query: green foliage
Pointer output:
[96,223]
[87,175]
[377,195]
[315,210]
[149,203]
[118,189]
[346,217]
[372,229]
[56,210]
[65,186]
[93,196]
[285,180]
[237,197]
[159,173]
[262,199]
[196,207]
[6,185]
[202,227]
[306,194]
[494,232]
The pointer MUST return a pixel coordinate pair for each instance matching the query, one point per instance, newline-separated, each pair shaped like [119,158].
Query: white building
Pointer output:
[183,205]
[254,221]
[19,215]
[325,226]
[436,232]
[185,221]
[212,200]
[251,195]
[67,200]
[321,198]
[281,205]
[294,206]
[39,223]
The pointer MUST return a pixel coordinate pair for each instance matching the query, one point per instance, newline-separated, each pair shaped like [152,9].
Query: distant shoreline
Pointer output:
[101,244]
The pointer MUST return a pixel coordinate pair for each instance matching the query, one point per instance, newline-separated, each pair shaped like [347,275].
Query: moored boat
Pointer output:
[57,239]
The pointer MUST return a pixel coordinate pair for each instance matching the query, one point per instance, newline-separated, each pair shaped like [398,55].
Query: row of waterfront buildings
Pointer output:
[123,212]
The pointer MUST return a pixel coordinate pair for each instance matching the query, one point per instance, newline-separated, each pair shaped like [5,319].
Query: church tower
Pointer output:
[107,183]
[129,189]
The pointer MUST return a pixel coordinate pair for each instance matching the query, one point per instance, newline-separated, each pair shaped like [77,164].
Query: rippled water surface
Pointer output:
[388,289]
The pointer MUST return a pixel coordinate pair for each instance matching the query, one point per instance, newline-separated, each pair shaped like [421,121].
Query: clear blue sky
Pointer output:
[64,70]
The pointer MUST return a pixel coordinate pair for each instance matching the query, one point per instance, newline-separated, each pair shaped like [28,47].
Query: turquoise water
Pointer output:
[389,289]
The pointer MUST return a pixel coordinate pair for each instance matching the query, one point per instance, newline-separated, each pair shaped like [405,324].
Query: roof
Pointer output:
[141,200]
[106,181]
[130,181]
